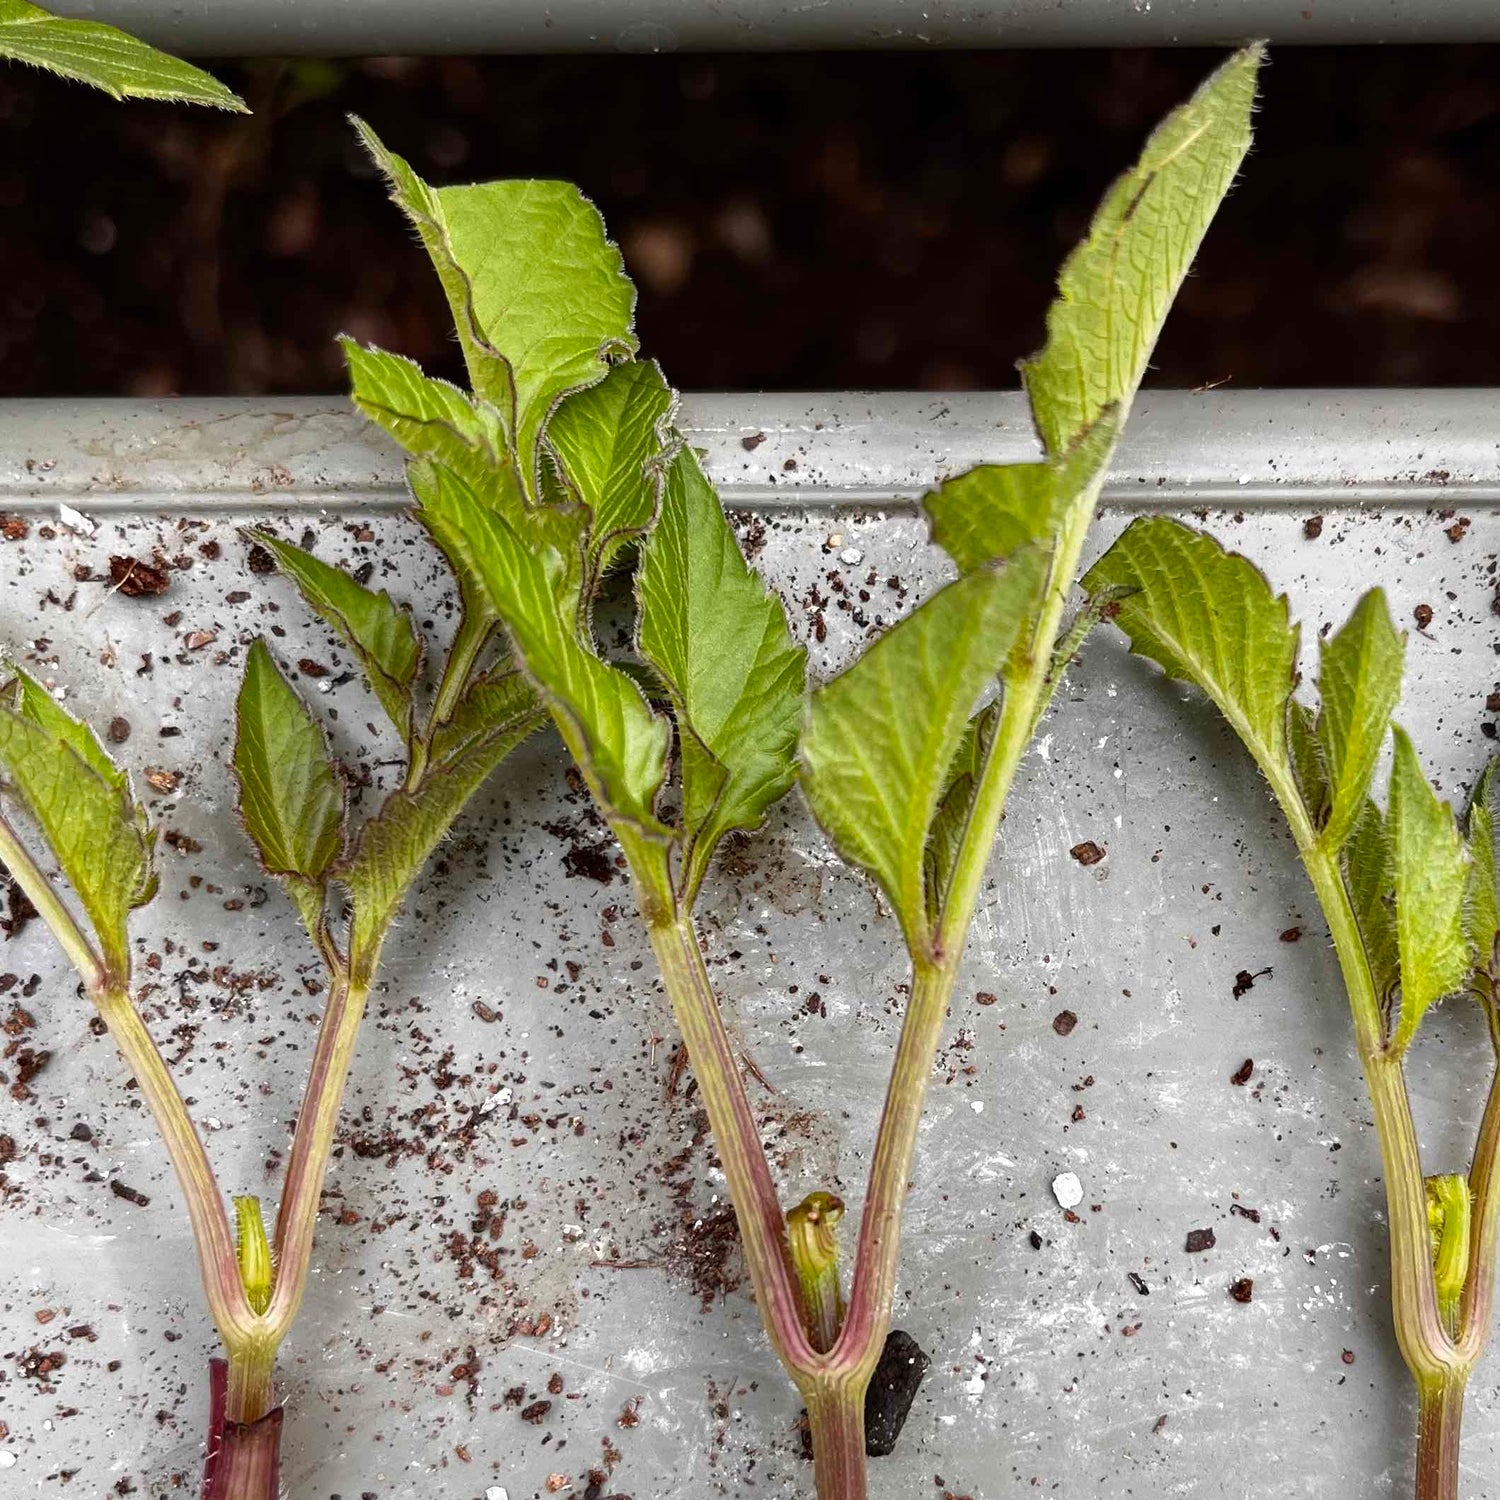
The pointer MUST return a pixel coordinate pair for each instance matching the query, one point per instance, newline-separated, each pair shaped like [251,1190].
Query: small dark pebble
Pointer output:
[1242,1290]
[1312,528]
[1087,853]
[1199,1240]
[1035,1240]
[892,1390]
[1347,1356]
[984,997]
[1253,1214]
[1292,935]
[80,1132]
[1063,1022]
[536,1413]
[1139,1283]
[119,730]
[1492,702]
[1241,1074]
[751,443]
[260,560]
[1422,614]
[129,1194]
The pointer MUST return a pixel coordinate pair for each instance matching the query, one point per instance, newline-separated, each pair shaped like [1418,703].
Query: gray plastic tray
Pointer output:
[1052,1372]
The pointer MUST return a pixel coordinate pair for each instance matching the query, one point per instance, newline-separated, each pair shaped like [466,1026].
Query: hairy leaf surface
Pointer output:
[619,744]
[538,292]
[1116,287]
[1369,868]
[96,832]
[495,716]
[1209,617]
[105,57]
[380,633]
[994,509]
[612,441]
[719,639]
[880,738]
[33,701]
[1360,683]
[1483,910]
[1431,869]
[291,798]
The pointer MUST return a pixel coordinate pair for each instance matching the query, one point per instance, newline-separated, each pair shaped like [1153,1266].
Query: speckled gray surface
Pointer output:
[520,1201]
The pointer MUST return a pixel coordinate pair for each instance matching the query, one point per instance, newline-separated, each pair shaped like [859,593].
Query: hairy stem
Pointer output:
[868,1318]
[51,908]
[474,630]
[217,1258]
[1440,1416]
[715,1066]
[836,1416]
[1478,1305]
[317,1120]
[1428,1351]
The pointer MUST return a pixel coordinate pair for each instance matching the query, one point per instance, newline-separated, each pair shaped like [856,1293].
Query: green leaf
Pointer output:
[1360,683]
[613,441]
[618,743]
[1370,878]
[540,296]
[291,798]
[719,639]
[1116,287]
[380,634]
[109,59]
[952,816]
[994,509]
[1483,910]
[1209,617]
[93,826]
[1431,880]
[1308,764]
[496,714]
[429,418]
[33,701]
[881,737]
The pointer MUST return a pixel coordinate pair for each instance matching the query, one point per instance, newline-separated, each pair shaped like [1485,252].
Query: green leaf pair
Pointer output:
[537,484]
[1422,893]
[892,761]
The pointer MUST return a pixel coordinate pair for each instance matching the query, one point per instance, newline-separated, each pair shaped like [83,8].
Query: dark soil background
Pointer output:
[793,222]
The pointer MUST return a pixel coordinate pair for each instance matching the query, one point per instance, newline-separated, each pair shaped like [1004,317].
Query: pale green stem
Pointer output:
[111,998]
[1425,1345]
[317,1121]
[1484,1184]
[758,1209]
[217,1257]
[51,909]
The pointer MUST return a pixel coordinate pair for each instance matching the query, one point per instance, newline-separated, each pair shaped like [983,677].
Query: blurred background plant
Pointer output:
[811,221]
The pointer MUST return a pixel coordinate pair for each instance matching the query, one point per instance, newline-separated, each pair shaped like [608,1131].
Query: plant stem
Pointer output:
[756,1205]
[51,908]
[317,1120]
[1439,1422]
[836,1416]
[1478,1303]
[474,630]
[868,1317]
[217,1258]
[252,1362]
